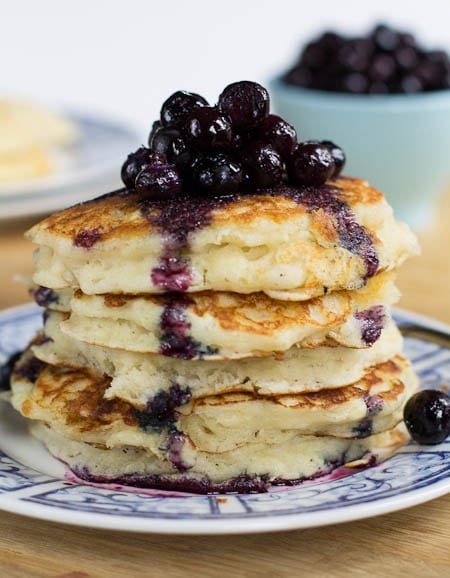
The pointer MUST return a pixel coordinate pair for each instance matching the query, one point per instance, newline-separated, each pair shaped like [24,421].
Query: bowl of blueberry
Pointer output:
[386,100]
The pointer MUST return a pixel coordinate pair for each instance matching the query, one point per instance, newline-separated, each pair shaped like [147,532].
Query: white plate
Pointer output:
[32,482]
[89,168]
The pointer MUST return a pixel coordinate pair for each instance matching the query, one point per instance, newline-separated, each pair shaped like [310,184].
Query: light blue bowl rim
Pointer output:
[438,99]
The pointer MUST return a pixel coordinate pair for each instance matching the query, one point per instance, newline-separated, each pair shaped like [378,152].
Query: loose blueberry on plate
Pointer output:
[427,416]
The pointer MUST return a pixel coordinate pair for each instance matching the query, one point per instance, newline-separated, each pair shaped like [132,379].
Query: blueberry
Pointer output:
[385,61]
[159,181]
[216,174]
[385,38]
[354,82]
[331,40]
[179,106]
[427,416]
[354,56]
[311,163]
[135,162]
[378,87]
[314,55]
[406,57]
[383,67]
[238,140]
[263,164]
[411,83]
[44,296]
[407,39]
[155,126]
[279,133]
[207,129]
[338,156]
[300,76]
[245,103]
[161,140]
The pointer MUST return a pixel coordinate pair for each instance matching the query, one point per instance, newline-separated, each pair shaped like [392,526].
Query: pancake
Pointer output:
[28,134]
[137,377]
[30,163]
[73,403]
[291,243]
[213,441]
[245,469]
[24,125]
[213,325]
[371,405]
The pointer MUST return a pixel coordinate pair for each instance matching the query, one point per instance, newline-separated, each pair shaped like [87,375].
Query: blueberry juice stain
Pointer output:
[177,220]
[160,414]
[175,340]
[29,369]
[352,236]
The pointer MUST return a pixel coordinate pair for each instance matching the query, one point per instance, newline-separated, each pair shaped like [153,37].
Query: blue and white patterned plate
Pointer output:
[32,482]
[91,164]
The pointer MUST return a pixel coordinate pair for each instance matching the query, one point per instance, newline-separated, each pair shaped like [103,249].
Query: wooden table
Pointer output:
[414,542]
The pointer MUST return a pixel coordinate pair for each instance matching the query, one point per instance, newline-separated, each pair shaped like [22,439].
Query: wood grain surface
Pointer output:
[410,543]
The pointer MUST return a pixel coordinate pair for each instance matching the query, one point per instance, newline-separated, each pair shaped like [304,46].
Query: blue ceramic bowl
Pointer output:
[399,143]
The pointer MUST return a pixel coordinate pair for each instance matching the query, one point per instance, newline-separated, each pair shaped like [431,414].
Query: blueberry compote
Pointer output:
[200,150]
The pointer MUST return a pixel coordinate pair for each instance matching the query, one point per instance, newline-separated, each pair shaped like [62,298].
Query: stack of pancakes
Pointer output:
[218,344]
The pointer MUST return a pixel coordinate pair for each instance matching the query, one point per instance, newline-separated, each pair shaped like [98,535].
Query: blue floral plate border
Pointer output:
[32,483]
